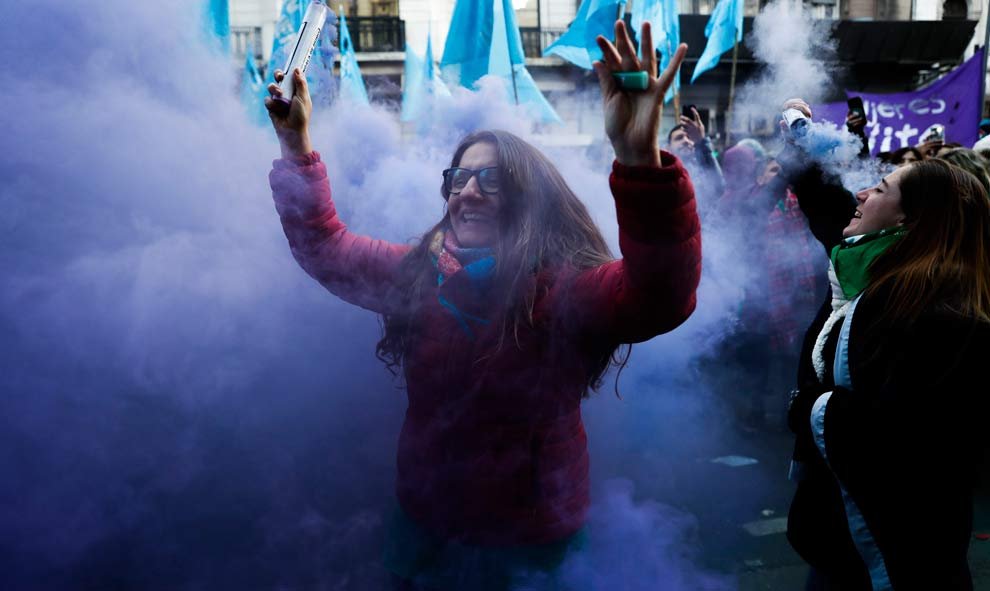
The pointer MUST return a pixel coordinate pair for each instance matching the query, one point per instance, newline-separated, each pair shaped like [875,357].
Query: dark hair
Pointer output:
[897,156]
[543,229]
[943,261]
[670,133]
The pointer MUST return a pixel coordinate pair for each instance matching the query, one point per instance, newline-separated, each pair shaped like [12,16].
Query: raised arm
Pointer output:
[651,289]
[703,153]
[823,200]
[356,268]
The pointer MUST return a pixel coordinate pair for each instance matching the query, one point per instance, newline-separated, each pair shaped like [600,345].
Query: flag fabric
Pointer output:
[469,41]
[253,91]
[724,29]
[664,17]
[217,23]
[319,74]
[506,59]
[351,83]
[577,45]
[895,121]
[421,85]
[413,87]
[484,40]
[286,28]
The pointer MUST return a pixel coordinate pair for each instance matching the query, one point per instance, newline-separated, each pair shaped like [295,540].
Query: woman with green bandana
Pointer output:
[891,393]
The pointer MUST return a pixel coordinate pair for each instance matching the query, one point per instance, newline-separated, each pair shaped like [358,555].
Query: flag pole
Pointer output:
[677,95]
[732,92]
[508,49]
[983,71]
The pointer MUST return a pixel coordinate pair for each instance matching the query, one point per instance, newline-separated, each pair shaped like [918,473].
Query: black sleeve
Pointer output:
[823,200]
[864,152]
[708,163]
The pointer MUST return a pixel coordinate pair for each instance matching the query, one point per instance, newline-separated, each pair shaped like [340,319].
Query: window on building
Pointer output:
[696,6]
[385,8]
[245,40]
[954,9]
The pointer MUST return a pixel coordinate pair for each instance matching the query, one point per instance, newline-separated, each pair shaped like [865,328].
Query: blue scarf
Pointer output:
[450,258]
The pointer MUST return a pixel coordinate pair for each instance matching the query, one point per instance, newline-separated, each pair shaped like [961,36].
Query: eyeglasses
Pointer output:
[455,179]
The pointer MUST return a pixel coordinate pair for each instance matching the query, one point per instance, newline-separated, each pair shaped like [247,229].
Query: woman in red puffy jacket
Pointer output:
[501,319]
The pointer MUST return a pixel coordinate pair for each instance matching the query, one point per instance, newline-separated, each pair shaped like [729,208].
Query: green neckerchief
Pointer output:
[852,258]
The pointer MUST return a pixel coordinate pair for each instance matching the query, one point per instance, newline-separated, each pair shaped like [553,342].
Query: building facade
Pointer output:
[882,46]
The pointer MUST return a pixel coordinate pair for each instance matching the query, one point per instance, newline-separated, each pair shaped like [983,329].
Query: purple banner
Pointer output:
[896,121]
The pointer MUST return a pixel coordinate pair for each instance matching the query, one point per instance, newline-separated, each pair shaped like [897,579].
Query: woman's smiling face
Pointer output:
[474,214]
[879,207]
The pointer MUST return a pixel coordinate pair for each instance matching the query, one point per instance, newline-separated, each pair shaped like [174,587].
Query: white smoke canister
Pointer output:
[796,121]
[302,51]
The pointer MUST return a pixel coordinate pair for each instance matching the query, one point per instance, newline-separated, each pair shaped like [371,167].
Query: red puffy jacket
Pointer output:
[494,452]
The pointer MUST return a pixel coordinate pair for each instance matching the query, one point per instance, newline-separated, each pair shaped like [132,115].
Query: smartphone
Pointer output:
[856,106]
[686,111]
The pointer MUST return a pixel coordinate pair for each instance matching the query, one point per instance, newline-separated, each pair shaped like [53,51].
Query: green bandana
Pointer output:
[852,258]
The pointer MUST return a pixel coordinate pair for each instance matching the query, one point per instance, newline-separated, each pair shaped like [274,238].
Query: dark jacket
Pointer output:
[903,441]
[493,449]
[706,176]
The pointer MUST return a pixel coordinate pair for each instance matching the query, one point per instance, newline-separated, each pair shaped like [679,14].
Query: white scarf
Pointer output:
[840,307]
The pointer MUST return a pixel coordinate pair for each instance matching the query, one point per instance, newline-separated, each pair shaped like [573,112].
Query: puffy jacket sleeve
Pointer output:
[651,289]
[355,268]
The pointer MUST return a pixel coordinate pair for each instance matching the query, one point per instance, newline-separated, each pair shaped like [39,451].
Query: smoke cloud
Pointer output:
[797,54]
[182,406]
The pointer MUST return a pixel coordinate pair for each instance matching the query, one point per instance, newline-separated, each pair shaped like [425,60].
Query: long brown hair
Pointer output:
[943,261]
[543,227]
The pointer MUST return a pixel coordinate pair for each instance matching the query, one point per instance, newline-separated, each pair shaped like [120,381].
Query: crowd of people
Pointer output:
[750,199]
[510,309]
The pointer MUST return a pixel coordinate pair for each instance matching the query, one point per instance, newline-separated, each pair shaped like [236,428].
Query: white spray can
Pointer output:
[302,51]
[796,121]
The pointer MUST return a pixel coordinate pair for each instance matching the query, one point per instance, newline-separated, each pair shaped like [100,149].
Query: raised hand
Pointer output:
[632,117]
[794,103]
[694,127]
[292,128]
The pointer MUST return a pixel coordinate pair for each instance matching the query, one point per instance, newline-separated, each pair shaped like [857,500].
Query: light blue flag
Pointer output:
[594,17]
[507,59]
[725,28]
[421,85]
[484,40]
[412,86]
[217,23]
[286,27]
[665,20]
[469,41]
[319,74]
[253,91]
[351,83]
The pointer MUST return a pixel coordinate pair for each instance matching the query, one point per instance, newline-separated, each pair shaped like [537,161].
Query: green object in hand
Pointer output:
[632,80]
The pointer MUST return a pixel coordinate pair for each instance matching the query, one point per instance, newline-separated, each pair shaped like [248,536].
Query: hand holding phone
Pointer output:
[693,125]
[856,106]
[856,117]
